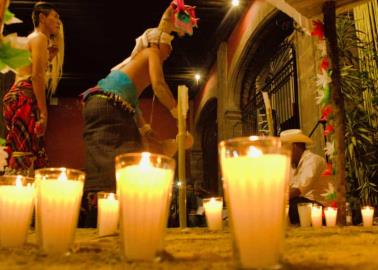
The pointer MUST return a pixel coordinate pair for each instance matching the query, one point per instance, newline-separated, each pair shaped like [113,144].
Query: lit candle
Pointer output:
[255,174]
[145,183]
[330,216]
[213,212]
[304,211]
[16,208]
[367,215]
[316,215]
[58,198]
[108,212]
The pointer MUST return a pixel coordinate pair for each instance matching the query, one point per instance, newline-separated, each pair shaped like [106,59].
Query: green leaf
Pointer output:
[8,16]
[2,141]
[12,57]
[366,138]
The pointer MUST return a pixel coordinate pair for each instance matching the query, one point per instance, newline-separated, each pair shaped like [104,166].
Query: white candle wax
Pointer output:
[330,216]
[144,199]
[213,212]
[16,208]
[367,213]
[316,215]
[304,212]
[108,212]
[58,204]
[255,186]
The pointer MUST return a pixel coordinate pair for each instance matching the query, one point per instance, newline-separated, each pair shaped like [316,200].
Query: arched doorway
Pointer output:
[271,68]
[209,144]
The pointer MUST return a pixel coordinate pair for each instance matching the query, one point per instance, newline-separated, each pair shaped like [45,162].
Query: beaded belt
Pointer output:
[116,100]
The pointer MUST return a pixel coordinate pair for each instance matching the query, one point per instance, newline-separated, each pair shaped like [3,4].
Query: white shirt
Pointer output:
[308,172]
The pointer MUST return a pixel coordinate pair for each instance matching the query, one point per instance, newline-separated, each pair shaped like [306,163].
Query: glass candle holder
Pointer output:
[16,209]
[304,212]
[255,176]
[213,212]
[144,184]
[316,215]
[107,213]
[367,213]
[330,216]
[58,198]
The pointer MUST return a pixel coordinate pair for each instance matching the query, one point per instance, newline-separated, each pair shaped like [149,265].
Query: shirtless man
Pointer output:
[113,122]
[25,110]
[111,112]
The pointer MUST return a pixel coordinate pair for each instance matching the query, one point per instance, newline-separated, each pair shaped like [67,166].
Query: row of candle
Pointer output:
[255,173]
[56,194]
[312,214]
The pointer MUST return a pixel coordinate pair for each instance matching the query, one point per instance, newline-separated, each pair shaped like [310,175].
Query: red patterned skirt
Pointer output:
[21,113]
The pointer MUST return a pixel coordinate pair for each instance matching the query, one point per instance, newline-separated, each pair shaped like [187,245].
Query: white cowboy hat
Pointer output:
[295,136]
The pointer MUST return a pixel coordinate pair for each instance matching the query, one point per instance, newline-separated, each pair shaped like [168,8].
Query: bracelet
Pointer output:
[145,129]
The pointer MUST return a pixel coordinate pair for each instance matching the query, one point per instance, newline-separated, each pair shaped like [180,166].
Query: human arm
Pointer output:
[39,55]
[308,172]
[143,127]
[159,85]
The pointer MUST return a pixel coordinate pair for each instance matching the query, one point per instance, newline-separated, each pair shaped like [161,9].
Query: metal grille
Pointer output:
[279,79]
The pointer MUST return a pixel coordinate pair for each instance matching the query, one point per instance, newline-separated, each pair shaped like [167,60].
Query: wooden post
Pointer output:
[182,110]
[329,11]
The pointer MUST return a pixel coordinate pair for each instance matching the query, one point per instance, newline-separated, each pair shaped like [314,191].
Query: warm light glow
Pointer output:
[63,176]
[107,214]
[235,3]
[144,194]
[197,77]
[367,213]
[179,184]
[145,161]
[18,181]
[213,210]
[111,196]
[330,215]
[254,152]
[316,215]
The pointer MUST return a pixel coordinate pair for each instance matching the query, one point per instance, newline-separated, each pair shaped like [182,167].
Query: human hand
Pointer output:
[188,140]
[40,127]
[145,129]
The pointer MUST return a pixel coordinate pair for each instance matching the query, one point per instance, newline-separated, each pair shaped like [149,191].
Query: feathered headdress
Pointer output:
[179,18]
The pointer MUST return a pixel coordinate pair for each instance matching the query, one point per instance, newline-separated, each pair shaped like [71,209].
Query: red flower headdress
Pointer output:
[184,16]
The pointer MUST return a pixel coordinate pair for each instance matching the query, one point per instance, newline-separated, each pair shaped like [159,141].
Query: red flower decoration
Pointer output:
[324,65]
[328,130]
[326,112]
[318,29]
[328,171]
[334,204]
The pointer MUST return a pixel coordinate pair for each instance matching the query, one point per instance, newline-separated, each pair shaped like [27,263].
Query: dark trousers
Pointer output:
[108,131]
[293,208]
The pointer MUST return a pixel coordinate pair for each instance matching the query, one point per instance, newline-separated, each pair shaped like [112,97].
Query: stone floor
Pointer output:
[197,248]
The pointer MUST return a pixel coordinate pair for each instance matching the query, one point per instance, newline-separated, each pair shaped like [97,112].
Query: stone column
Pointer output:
[228,114]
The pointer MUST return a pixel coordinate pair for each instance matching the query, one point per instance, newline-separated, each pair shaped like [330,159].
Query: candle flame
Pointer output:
[63,176]
[111,196]
[19,181]
[212,200]
[145,161]
[254,152]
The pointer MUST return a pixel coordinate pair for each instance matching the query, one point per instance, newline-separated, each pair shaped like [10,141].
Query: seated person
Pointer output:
[307,168]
